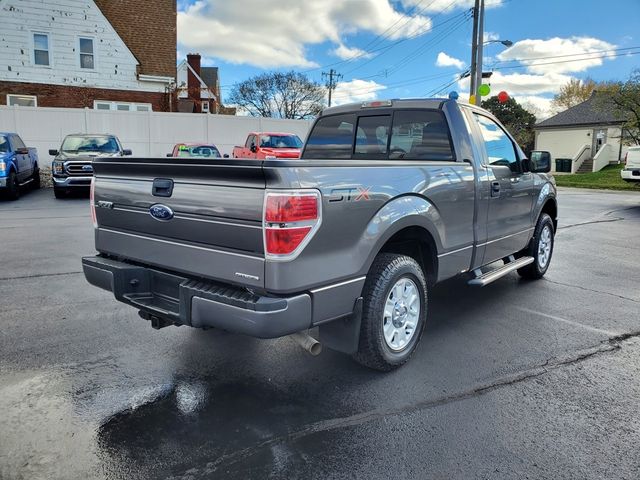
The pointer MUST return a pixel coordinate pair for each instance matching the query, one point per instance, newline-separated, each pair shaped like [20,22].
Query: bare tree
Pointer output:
[279,95]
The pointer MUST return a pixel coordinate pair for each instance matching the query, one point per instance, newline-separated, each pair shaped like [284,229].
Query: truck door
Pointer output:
[250,146]
[23,161]
[509,222]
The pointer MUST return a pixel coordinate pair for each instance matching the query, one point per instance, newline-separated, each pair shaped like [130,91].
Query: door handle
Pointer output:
[495,189]
[162,187]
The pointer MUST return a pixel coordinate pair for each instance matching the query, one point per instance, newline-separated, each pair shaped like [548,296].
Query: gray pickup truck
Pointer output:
[71,167]
[387,199]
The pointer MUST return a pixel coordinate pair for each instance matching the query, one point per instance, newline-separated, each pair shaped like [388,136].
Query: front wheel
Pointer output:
[394,312]
[35,179]
[540,248]
[13,187]
[59,193]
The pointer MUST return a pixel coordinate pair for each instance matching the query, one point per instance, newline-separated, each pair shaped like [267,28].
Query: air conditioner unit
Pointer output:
[205,107]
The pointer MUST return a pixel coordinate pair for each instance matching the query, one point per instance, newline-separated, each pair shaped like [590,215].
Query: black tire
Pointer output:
[13,187]
[59,193]
[536,270]
[373,350]
[35,178]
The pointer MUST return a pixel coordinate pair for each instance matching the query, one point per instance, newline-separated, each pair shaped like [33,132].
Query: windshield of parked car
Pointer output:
[4,144]
[280,141]
[206,151]
[98,144]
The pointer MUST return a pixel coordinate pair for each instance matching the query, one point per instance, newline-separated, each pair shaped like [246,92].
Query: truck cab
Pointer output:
[262,145]
[72,167]
[18,165]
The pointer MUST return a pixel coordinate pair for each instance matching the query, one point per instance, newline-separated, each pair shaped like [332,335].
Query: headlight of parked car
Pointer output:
[58,167]
[3,167]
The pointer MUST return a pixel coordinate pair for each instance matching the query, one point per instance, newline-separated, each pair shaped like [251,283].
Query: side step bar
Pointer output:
[510,265]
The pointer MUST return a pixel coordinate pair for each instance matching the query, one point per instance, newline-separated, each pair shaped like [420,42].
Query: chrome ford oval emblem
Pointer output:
[160,212]
[87,168]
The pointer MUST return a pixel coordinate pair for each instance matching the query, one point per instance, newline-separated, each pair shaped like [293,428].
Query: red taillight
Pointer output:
[290,220]
[282,208]
[92,203]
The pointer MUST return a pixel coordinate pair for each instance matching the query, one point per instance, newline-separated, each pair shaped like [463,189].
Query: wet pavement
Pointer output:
[519,379]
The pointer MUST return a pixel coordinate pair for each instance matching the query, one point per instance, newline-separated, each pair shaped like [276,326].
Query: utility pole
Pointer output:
[474,53]
[479,53]
[331,85]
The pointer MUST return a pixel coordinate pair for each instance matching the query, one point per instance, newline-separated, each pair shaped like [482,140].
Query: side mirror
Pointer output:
[169,155]
[22,151]
[540,162]
[254,149]
[127,151]
[226,155]
[53,152]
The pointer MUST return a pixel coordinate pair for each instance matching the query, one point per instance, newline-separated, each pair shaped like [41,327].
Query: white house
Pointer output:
[104,54]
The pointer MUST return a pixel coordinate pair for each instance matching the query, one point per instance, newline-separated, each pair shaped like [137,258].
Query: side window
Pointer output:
[499,147]
[17,142]
[372,136]
[251,139]
[331,138]
[420,135]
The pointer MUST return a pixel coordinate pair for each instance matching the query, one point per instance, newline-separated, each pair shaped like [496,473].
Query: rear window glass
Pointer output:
[409,135]
[420,135]
[332,138]
[373,136]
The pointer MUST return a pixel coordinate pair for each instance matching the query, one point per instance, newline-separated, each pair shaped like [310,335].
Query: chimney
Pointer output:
[193,84]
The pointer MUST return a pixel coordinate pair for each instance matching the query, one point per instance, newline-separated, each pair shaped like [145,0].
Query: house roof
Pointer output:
[210,76]
[598,109]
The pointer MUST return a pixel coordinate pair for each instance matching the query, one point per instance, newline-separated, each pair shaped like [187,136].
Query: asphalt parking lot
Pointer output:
[516,380]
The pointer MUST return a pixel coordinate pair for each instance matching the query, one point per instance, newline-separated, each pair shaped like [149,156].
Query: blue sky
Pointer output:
[415,48]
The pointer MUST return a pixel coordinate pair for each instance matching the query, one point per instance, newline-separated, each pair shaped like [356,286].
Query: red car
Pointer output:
[261,145]
[198,150]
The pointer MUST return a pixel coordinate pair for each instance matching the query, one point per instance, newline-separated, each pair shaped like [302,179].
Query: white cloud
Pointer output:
[441,5]
[526,50]
[523,83]
[356,91]
[539,106]
[490,36]
[346,53]
[275,33]
[445,60]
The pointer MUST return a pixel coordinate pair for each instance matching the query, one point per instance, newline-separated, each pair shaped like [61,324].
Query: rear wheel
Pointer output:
[394,312]
[540,248]
[13,187]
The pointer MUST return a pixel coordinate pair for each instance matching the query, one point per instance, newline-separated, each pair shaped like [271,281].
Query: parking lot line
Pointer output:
[569,322]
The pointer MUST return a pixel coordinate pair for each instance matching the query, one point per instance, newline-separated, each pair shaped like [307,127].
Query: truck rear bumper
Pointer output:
[184,301]
[631,174]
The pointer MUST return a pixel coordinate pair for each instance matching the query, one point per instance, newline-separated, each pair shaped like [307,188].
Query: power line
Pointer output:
[522,60]
[529,65]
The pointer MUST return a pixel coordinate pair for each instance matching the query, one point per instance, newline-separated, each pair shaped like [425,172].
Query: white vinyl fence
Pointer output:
[150,134]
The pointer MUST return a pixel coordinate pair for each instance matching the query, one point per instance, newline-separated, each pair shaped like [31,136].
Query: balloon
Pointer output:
[472,99]
[453,95]
[484,90]
[503,97]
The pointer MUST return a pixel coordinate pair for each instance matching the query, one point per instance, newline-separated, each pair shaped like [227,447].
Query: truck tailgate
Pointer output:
[214,229]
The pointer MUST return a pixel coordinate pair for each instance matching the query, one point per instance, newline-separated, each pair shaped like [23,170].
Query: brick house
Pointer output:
[103,54]
[198,88]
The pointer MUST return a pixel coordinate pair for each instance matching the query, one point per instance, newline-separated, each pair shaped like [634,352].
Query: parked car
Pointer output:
[261,145]
[631,171]
[195,150]
[18,165]
[71,168]
[388,199]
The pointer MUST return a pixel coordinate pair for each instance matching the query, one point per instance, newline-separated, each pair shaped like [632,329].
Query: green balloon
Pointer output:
[484,90]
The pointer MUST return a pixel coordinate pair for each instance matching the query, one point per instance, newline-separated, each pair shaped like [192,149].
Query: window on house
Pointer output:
[22,100]
[122,106]
[86,53]
[41,49]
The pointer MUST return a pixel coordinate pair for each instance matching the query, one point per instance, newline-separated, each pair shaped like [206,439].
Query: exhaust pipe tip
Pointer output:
[307,342]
